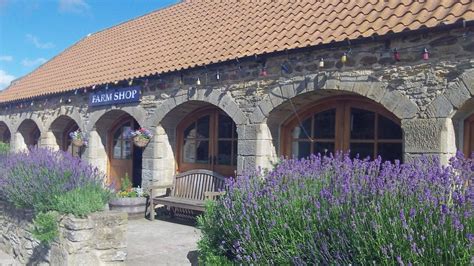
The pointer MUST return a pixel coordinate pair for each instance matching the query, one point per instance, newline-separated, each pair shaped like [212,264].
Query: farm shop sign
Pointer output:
[115,96]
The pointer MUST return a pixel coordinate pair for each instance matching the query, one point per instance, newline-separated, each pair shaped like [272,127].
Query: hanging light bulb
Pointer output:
[93,87]
[32,103]
[344,58]
[396,55]
[75,92]
[116,82]
[107,86]
[426,54]
[218,76]
[61,100]
[198,82]
[85,90]
[321,62]
[130,83]
[68,100]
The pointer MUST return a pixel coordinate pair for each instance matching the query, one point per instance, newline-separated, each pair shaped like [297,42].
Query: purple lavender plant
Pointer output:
[338,210]
[39,177]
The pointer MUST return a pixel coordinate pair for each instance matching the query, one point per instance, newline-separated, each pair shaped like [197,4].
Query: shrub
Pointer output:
[4,148]
[81,201]
[45,227]
[41,179]
[52,183]
[343,211]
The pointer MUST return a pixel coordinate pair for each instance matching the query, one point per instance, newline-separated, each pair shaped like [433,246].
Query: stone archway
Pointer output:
[60,128]
[28,135]
[400,105]
[162,153]
[110,150]
[463,123]
[5,133]
[276,106]
[211,96]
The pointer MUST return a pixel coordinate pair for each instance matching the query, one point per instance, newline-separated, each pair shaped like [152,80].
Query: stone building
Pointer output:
[234,85]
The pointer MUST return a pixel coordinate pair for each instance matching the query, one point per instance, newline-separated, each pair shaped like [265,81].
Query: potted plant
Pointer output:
[131,200]
[78,138]
[141,137]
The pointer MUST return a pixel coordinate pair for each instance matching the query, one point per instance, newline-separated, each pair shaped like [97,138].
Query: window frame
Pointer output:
[343,106]
[213,141]
[468,131]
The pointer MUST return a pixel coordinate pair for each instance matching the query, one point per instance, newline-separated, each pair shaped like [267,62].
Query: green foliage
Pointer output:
[81,201]
[4,148]
[46,181]
[126,184]
[45,227]
[211,234]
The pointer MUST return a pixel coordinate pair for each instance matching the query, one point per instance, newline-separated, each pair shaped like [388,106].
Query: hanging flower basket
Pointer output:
[78,142]
[78,138]
[140,142]
[141,137]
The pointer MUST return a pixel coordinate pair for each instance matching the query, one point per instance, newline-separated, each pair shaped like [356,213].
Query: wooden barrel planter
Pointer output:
[135,207]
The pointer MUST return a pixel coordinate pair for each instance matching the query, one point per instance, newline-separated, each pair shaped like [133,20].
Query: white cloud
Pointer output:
[73,6]
[42,45]
[33,62]
[5,79]
[6,58]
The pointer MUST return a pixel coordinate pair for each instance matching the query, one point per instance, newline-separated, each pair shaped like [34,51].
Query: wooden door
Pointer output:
[469,136]
[207,139]
[120,151]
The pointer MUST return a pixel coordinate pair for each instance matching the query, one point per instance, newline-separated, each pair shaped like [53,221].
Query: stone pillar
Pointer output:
[159,164]
[429,136]
[255,148]
[17,143]
[96,153]
[48,140]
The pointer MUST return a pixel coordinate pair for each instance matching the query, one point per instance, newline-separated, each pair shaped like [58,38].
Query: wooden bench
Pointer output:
[189,191]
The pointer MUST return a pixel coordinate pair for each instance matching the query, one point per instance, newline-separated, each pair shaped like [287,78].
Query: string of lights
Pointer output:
[285,68]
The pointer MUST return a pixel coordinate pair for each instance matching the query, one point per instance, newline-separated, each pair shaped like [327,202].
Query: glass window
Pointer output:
[318,140]
[362,150]
[122,145]
[362,124]
[390,151]
[325,125]
[347,126]
[387,129]
[209,141]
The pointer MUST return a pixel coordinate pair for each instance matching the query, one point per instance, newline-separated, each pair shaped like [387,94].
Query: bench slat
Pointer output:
[190,189]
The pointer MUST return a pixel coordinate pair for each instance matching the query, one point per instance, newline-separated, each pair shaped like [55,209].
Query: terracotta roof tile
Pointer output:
[200,32]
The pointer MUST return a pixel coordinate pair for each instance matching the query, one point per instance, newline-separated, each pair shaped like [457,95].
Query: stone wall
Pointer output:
[429,97]
[99,239]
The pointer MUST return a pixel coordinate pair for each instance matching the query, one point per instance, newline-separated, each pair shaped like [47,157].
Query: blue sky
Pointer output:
[34,31]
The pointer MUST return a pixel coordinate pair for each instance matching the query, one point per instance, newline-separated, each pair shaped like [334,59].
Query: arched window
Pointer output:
[469,136]
[208,140]
[343,124]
